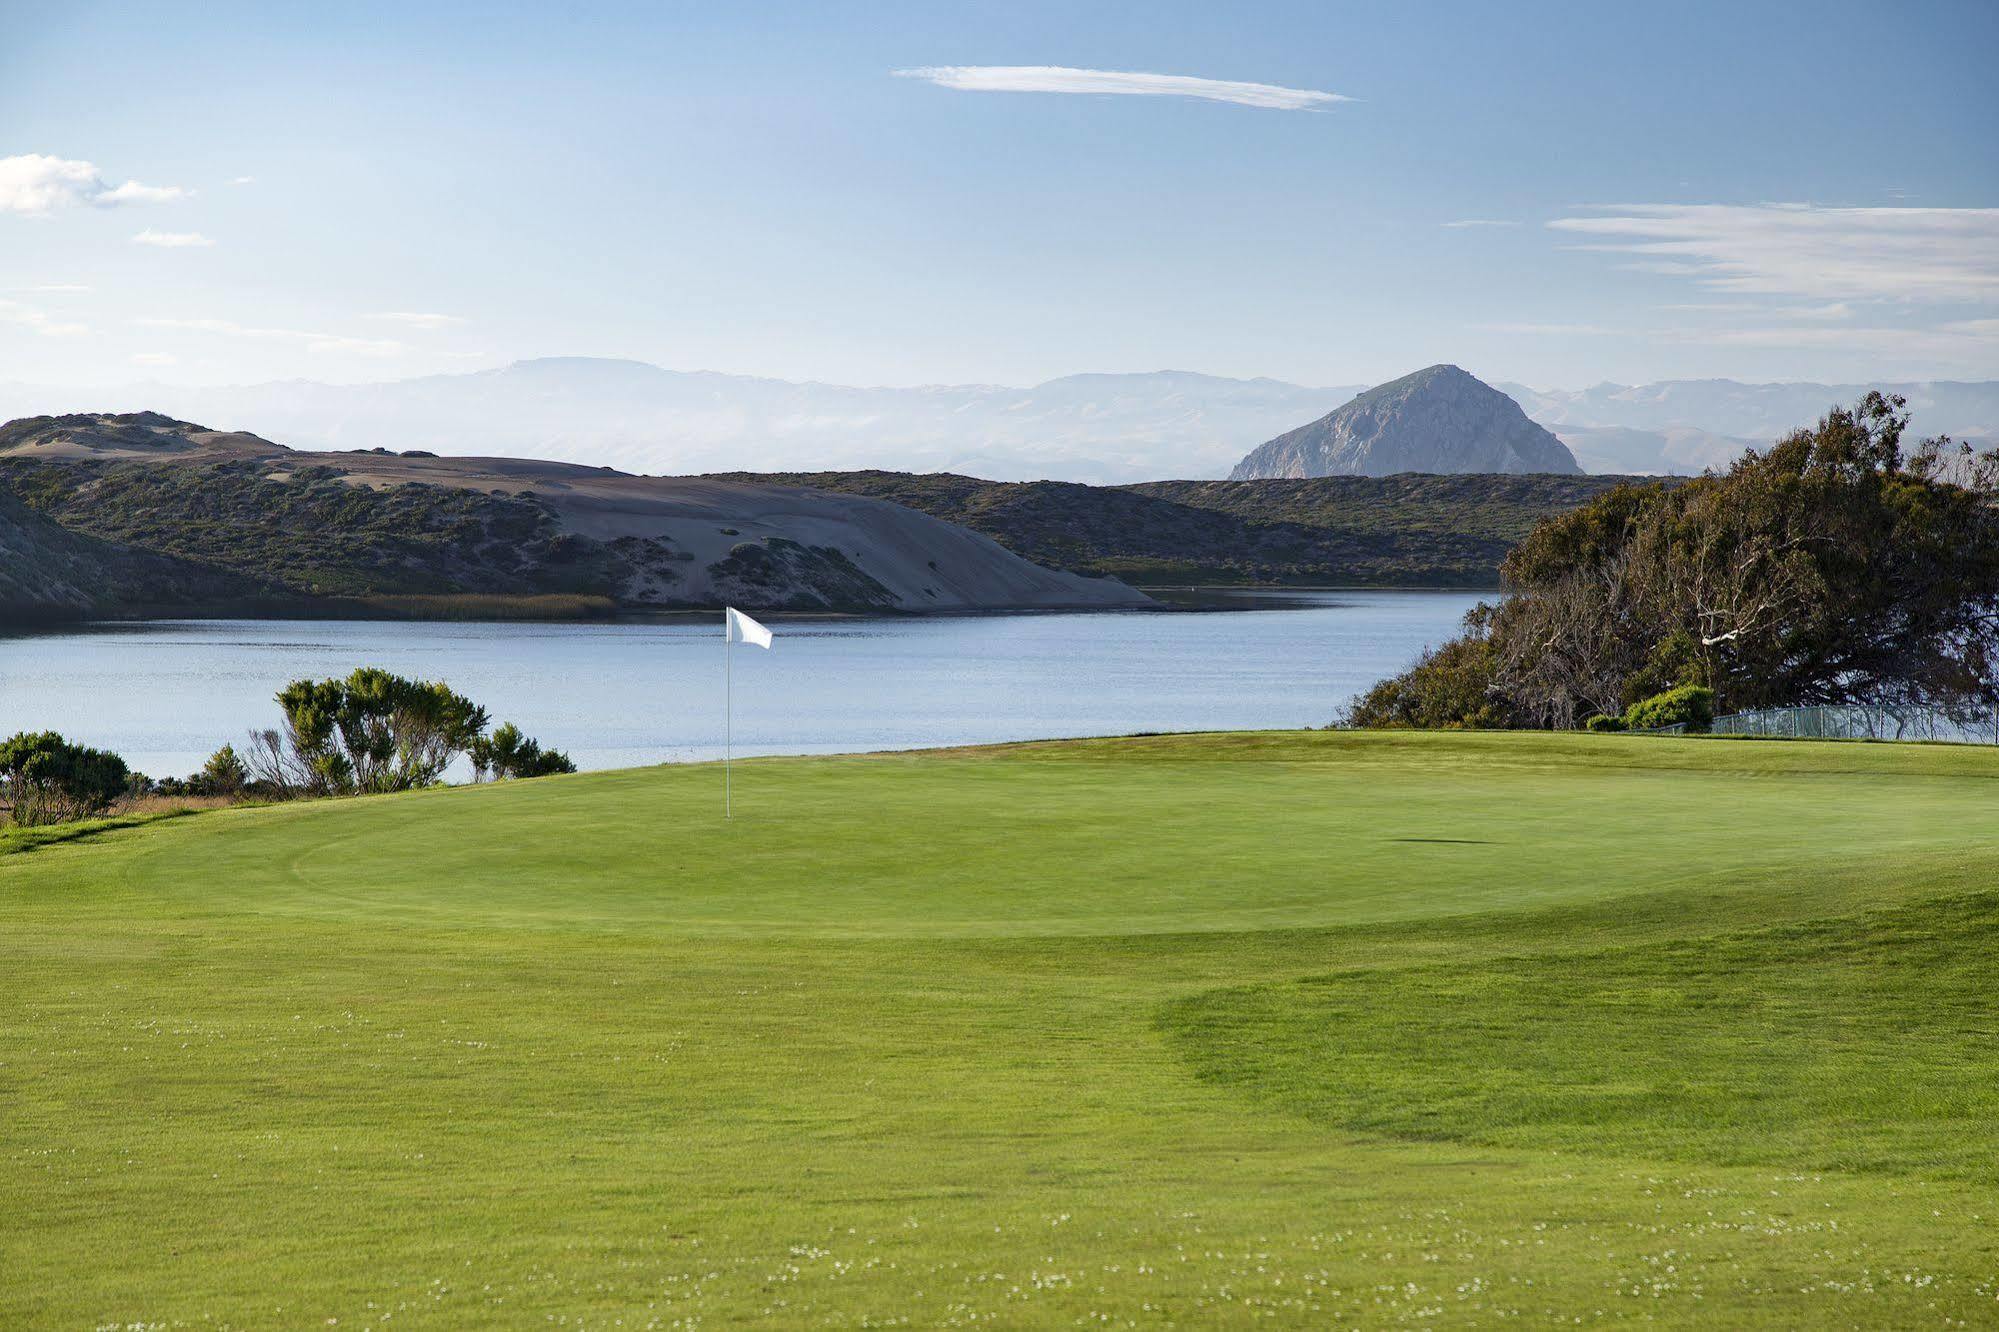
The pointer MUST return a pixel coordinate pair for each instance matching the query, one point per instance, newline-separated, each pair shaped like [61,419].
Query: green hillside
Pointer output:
[48,572]
[313,536]
[1396,531]
[1320,1029]
[1496,508]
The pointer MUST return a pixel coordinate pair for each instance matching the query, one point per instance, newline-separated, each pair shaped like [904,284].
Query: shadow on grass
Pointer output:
[18,841]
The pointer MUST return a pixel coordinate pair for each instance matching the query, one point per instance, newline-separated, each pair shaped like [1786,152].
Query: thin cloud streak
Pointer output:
[1965,342]
[418,319]
[39,321]
[1063,79]
[172,240]
[1806,251]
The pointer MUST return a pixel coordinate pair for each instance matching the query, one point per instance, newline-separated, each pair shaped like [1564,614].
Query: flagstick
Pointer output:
[728,711]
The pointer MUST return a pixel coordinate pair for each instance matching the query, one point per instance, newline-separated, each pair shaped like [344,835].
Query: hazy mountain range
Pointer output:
[1100,428]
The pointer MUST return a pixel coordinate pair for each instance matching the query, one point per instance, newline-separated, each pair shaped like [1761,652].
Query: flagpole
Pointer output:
[728,711]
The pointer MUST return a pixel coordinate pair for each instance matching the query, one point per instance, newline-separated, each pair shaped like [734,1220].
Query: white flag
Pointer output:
[743,629]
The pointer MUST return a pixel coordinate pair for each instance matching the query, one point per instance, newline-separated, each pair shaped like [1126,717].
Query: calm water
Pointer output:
[165,694]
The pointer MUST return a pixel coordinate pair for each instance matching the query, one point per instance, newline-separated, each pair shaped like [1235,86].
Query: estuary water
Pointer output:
[166,693]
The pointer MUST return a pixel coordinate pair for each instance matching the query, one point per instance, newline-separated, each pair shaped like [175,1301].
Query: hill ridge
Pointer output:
[372,524]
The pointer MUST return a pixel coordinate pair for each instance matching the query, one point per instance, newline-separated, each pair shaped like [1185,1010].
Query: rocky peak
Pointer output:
[1439,420]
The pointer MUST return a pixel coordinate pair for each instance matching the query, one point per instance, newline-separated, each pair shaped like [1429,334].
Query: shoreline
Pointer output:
[1190,598]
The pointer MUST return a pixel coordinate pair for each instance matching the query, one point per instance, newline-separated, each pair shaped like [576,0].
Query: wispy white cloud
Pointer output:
[1806,251]
[39,321]
[313,342]
[55,289]
[1834,310]
[1062,79]
[417,319]
[155,358]
[1552,330]
[1967,342]
[35,185]
[1663,267]
[1959,342]
[1465,223]
[133,192]
[172,240]
[242,180]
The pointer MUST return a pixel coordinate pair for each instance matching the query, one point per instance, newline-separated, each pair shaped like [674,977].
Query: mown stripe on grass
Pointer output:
[1861,1043]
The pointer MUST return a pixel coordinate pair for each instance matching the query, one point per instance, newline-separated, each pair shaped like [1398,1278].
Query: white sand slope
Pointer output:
[924,562]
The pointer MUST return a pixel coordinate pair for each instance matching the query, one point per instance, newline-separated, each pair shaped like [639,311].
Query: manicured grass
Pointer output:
[1323,1028]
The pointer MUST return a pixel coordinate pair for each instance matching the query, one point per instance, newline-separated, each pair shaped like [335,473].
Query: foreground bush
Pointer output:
[223,776]
[1449,688]
[1691,706]
[374,732]
[509,754]
[46,779]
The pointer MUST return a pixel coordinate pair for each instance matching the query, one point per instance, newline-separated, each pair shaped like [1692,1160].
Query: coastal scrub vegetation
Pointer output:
[238,533]
[375,732]
[313,533]
[371,732]
[1835,567]
[46,779]
[507,753]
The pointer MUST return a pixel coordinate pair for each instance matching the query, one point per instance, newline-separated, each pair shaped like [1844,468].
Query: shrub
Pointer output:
[49,780]
[1449,688]
[507,753]
[225,774]
[376,732]
[371,732]
[1691,706]
[1602,722]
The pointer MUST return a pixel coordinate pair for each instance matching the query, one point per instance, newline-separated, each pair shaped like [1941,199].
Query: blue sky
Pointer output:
[390,190]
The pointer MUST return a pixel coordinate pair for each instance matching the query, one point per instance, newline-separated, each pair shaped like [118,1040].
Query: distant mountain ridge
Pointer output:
[1688,425]
[642,418]
[1439,420]
[1098,428]
[1756,411]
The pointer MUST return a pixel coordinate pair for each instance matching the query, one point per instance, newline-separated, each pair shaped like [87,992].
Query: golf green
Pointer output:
[1320,1028]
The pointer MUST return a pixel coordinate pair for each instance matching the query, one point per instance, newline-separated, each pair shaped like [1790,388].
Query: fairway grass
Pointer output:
[1318,1028]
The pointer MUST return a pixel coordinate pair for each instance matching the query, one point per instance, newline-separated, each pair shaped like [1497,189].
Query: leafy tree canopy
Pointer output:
[1834,567]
